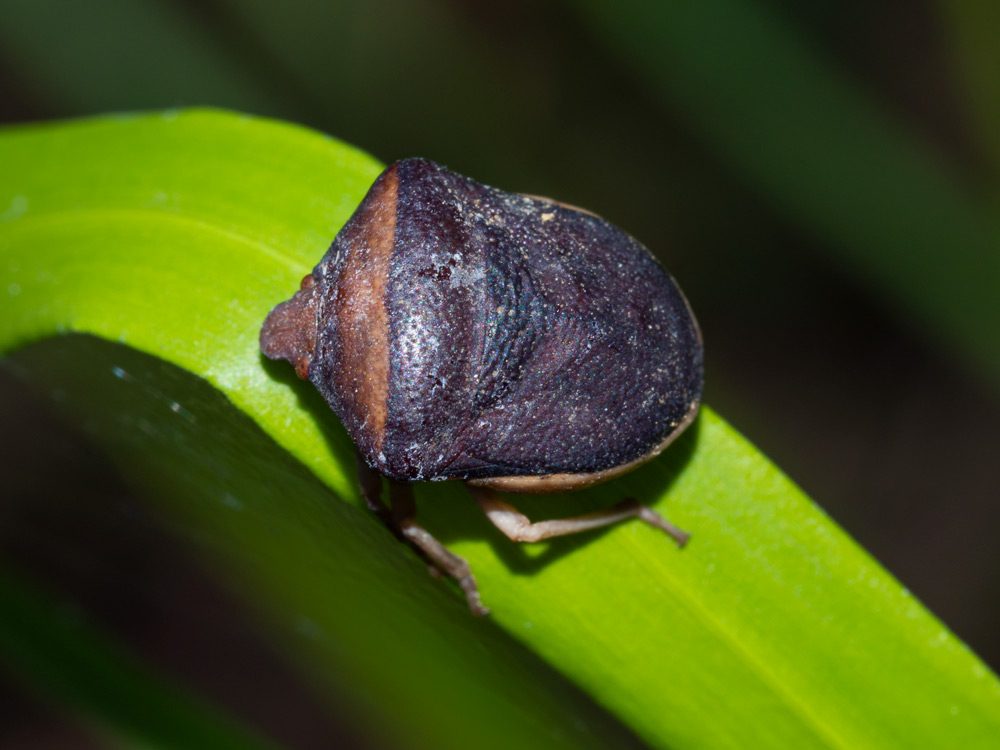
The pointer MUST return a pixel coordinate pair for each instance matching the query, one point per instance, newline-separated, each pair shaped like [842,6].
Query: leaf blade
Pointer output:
[784,622]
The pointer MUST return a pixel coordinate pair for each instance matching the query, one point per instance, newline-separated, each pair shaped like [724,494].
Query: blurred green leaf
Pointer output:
[55,649]
[819,150]
[112,54]
[174,235]
[974,26]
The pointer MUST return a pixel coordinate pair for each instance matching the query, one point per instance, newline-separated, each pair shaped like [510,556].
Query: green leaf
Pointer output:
[810,142]
[174,235]
[327,577]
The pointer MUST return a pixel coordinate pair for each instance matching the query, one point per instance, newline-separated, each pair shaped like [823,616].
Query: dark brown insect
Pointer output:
[514,343]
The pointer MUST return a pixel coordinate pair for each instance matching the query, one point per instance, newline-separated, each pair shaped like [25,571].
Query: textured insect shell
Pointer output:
[460,331]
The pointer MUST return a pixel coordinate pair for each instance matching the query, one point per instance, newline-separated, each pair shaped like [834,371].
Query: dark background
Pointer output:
[849,386]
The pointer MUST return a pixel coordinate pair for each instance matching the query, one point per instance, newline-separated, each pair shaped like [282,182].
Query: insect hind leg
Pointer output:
[520,528]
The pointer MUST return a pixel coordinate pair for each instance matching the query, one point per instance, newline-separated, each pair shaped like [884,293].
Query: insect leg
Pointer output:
[403,512]
[370,482]
[520,528]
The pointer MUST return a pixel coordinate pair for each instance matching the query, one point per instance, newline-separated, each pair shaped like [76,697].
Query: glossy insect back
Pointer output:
[460,331]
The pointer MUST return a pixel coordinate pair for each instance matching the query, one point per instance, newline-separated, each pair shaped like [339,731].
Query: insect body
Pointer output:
[515,343]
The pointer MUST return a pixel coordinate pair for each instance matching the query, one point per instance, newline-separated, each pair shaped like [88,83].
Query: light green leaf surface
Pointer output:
[328,579]
[174,235]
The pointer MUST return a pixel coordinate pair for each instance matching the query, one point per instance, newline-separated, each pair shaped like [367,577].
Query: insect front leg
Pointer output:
[403,513]
[401,521]
[370,482]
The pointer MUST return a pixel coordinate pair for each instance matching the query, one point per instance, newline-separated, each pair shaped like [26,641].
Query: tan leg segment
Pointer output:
[403,511]
[400,521]
[519,527]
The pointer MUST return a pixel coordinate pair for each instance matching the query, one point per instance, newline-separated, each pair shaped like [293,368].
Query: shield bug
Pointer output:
[508,341]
